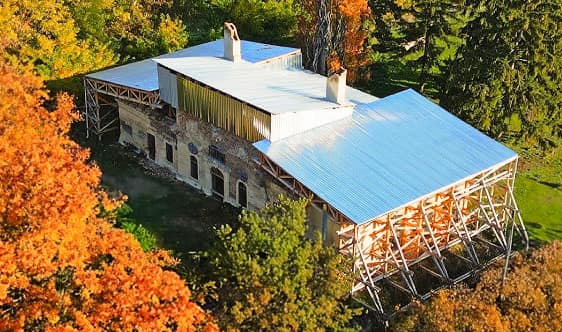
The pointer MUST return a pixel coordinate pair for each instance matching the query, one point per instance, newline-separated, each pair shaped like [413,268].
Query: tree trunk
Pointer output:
[425,59]
[322,38]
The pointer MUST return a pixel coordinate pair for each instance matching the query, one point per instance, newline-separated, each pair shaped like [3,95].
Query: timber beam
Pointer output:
[479,215]
[101,113]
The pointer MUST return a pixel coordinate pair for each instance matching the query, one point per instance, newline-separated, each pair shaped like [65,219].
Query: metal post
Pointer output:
[508,253]
[86,109]
[435,252]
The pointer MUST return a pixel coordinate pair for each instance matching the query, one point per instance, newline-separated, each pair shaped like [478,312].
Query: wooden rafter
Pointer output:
[460,214]
[301,190]
[100,120]
[149,98]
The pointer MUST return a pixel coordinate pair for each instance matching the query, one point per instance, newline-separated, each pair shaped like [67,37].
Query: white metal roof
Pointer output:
[387,154]
[272,90]
[142,75]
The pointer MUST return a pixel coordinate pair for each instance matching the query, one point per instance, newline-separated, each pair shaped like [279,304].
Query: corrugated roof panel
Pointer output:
[389,153]
[274,91]
[142,75]
[251,51]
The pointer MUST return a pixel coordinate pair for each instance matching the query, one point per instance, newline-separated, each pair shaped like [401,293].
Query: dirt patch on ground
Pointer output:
[182,217]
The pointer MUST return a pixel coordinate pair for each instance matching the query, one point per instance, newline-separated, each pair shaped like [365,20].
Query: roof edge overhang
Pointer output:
[88,77]
[295,52]
[212,88]
[432,193]
[444,188]
[295,190]
[261,109]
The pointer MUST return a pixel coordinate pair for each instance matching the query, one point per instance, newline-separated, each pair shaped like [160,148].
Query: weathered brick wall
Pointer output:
[239,164]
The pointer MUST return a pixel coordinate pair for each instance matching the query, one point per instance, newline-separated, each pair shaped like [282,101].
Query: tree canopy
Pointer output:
[59,39]
[133,29]
[335,31]
[528,301]
[271,277]
[507,78]
[62,266]
[43,36]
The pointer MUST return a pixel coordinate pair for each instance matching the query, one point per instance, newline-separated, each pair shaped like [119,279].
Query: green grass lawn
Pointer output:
[181,217]
[541,207]
[388,78]
[538,190]
[539,183]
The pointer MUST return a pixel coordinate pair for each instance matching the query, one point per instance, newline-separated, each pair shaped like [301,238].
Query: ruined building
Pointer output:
[414,195]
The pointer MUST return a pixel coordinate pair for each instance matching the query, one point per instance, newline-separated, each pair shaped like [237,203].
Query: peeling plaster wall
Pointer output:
[239,165]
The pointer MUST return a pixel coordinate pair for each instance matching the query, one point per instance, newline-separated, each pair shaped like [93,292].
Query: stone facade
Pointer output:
[191,138]
[187,138]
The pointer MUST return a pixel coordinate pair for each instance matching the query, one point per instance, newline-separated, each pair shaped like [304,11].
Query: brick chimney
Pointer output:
[232,50]
[336,86]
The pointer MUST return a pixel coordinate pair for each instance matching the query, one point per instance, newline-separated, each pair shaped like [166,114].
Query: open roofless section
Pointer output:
[416,198]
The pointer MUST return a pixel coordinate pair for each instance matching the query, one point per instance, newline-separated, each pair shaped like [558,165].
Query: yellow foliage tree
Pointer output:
[134,29]
[42,35]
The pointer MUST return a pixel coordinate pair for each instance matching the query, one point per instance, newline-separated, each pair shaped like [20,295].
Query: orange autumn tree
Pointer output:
[335,27]
[530,299]
[62,267]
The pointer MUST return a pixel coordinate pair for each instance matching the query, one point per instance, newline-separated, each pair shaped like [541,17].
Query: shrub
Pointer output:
[146,239]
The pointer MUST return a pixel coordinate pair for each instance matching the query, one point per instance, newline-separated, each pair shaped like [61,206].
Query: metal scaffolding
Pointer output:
[443,238]
[101,112]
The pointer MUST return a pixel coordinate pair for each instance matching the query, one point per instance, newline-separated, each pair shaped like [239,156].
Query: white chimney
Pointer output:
[335,86]
[231,43]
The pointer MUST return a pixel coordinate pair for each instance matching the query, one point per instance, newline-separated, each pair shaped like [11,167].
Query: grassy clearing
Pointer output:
[538,190]
[181,217]
[541,207]
[539,184]
[389,78]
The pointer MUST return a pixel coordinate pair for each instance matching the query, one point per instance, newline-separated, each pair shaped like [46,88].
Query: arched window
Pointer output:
[217,182]
[194,171]
[242,194]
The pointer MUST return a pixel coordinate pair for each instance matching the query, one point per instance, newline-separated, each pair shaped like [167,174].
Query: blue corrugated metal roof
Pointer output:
[387,154]
[143,75]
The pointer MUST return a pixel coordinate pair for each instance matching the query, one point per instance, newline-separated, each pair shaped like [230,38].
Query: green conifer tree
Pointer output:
[507,78]
[422,34]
